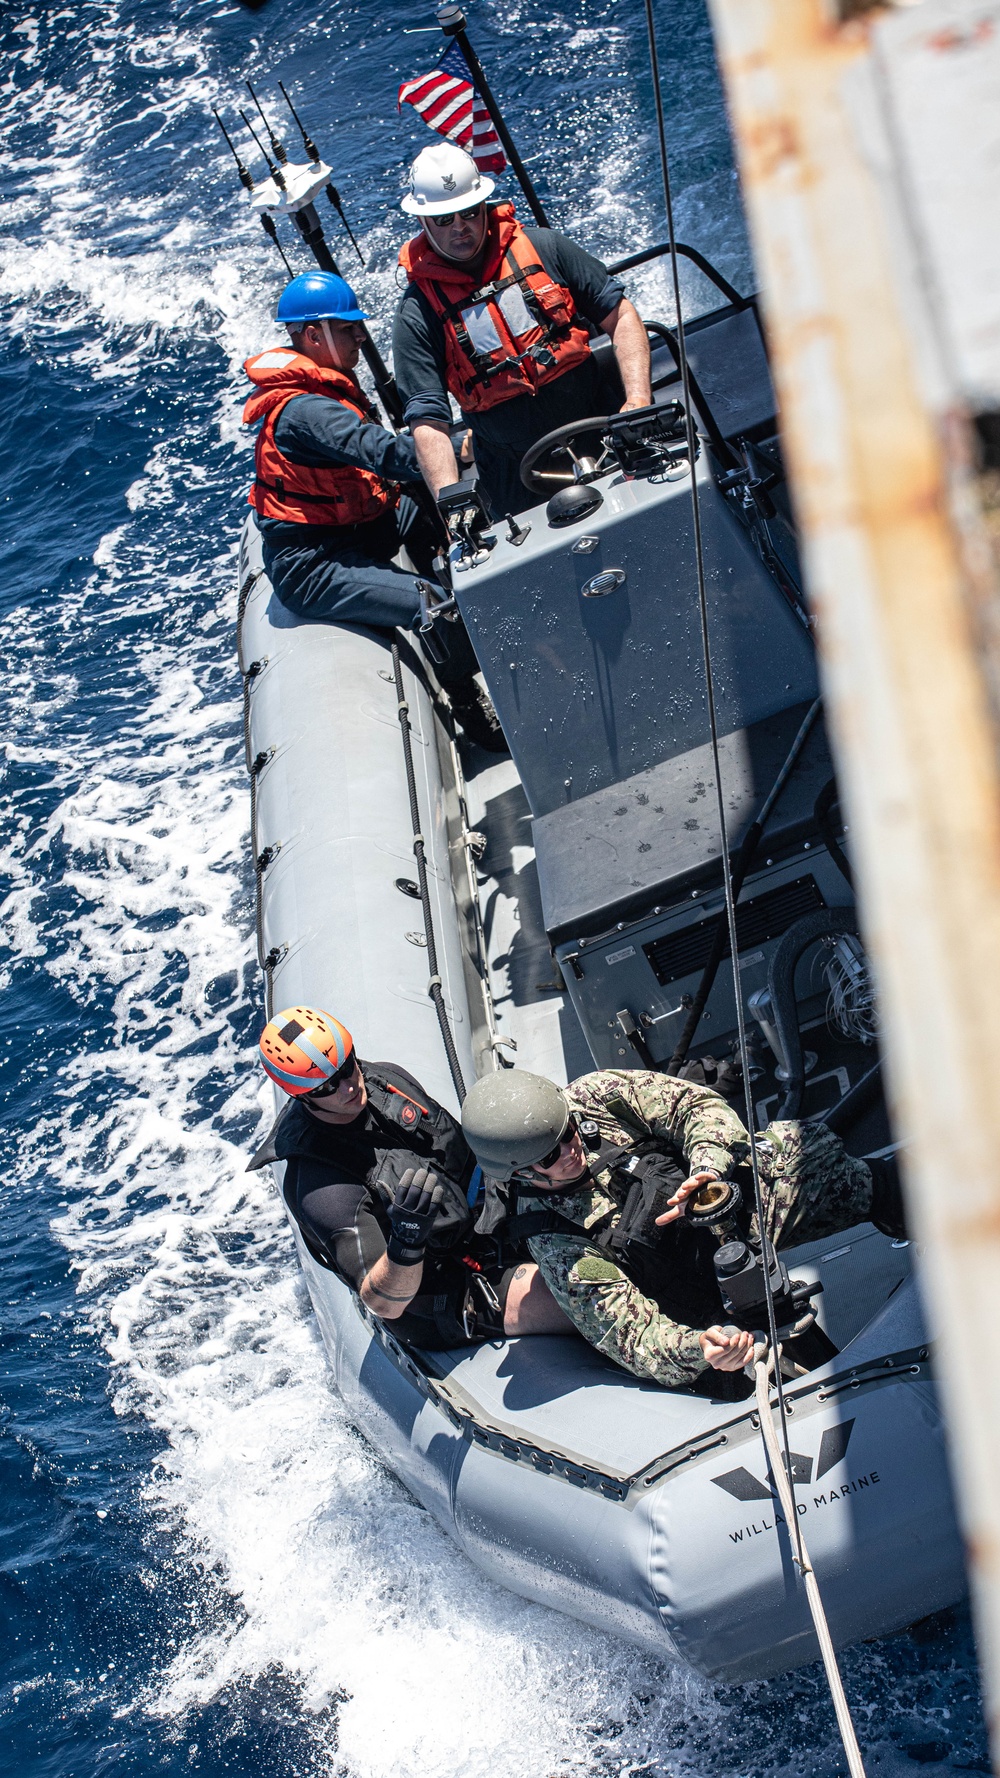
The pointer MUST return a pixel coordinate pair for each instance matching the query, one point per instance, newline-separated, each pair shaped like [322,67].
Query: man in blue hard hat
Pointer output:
[327,493]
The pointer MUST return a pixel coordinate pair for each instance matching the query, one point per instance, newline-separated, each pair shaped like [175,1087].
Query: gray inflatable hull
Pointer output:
[648,1514]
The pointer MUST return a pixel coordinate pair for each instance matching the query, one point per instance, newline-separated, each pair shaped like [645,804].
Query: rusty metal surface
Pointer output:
[901,581]
[937,67]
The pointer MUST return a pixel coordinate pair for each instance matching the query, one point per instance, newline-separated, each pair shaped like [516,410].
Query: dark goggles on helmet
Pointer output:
[333,1081]
[456,216]
[550,1159]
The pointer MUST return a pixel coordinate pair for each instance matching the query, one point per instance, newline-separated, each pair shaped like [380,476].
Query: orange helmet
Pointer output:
[302,1048]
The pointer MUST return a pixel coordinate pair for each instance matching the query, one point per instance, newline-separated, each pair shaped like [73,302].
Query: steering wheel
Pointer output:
[563,442]
[584,467]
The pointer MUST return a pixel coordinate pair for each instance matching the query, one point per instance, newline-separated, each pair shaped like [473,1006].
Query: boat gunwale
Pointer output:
[908,1363]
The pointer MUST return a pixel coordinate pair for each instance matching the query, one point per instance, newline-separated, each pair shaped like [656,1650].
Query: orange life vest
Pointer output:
[331,494]
[510,333]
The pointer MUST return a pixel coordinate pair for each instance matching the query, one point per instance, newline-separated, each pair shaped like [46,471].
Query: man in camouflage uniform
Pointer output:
[553,1146]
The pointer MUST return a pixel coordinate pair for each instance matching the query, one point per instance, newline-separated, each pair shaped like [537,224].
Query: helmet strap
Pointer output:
[332,346]
[442,252]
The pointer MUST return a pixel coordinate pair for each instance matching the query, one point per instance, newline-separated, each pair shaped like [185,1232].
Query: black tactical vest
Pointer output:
[404,1128]
[673,1266]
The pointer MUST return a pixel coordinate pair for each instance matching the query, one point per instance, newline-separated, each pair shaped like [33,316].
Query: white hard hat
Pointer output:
[443,178]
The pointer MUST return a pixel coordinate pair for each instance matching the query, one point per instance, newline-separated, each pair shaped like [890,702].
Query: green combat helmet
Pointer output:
[511,1119]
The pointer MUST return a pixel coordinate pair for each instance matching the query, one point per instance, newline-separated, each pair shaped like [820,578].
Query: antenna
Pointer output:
[278,146]
[314,155]
[275,172]
[269,226]
[334,197]
[246,177]
[307,141]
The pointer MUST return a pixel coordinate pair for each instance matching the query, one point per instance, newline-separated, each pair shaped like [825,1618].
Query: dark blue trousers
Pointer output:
[334,575]
[328,574]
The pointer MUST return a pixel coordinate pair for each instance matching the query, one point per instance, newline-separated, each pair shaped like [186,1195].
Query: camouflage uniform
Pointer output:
[811,1188]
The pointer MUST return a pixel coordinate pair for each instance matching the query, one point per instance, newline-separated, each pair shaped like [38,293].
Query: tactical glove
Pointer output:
[412,1215]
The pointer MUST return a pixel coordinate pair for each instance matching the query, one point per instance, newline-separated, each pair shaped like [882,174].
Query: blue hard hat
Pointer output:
[318,296]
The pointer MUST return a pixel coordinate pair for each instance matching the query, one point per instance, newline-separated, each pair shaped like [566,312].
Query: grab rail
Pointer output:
[698,259]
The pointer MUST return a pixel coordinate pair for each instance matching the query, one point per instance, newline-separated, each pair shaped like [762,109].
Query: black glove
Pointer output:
[412,1215]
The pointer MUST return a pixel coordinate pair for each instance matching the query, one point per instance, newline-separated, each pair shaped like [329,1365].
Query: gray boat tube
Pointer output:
[647,1513]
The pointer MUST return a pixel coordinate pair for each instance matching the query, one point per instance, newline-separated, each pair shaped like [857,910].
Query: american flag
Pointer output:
[449,103]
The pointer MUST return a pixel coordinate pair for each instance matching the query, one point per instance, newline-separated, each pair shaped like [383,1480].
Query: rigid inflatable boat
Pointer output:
[574,894]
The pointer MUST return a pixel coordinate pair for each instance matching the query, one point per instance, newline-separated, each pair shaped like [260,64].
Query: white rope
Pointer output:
[782,1482]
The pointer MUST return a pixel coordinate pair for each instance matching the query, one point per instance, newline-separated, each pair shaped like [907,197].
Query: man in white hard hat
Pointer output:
[496,315]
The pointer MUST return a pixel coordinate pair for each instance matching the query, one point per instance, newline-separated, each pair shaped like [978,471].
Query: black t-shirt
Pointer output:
[340,1216]
[503,433]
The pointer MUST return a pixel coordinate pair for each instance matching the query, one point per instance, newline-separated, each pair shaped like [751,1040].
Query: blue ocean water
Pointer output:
[202,1568]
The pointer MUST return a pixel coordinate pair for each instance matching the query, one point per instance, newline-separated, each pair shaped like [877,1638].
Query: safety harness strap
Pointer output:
[549,1222]
[278,487]
[453,311]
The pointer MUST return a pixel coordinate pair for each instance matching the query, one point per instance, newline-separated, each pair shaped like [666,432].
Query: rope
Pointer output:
[251,674]
[706,645]
[434,988]
[782,1471]
[782,1481]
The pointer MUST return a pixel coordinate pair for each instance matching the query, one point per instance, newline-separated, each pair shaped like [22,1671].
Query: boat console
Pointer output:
[587,629]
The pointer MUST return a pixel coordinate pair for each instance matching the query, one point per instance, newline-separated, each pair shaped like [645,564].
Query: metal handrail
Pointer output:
[698,259]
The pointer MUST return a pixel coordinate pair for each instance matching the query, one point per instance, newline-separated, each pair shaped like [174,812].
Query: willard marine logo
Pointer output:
[833,1448]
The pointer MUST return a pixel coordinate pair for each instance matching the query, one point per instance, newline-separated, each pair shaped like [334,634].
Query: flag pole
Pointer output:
[452,22]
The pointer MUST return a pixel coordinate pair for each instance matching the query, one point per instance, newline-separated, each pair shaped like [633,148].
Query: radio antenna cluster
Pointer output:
[290,190]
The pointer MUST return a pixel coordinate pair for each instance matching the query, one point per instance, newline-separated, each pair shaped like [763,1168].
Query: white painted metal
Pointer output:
[938,72]
[303,185]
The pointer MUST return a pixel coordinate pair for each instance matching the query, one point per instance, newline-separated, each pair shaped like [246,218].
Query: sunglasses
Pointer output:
[456,216]
[550,1159]
[329,1086]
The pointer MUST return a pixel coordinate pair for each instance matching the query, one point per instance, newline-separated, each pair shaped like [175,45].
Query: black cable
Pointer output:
[434,988]
[714,737]
[826,801]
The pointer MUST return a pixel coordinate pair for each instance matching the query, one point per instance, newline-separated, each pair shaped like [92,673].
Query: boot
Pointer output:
[888,1211]
[473,708]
